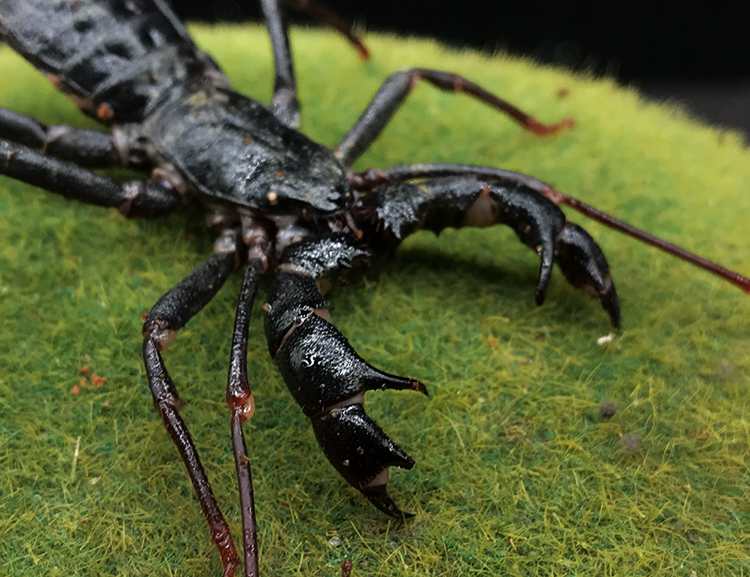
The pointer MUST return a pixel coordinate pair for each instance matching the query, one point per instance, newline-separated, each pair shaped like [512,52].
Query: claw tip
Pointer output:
[418,386]
[379,497]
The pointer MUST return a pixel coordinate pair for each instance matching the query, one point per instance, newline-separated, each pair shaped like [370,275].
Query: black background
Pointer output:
[696,52]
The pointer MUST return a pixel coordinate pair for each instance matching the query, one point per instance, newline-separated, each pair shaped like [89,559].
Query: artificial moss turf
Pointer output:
[516,472]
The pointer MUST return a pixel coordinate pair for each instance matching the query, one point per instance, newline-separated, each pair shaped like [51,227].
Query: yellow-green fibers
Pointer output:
[516,472]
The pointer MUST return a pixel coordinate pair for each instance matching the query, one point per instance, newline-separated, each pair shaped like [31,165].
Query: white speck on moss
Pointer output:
[605,339]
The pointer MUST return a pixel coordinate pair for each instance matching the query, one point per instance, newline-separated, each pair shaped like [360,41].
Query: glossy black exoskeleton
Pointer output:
[280,201]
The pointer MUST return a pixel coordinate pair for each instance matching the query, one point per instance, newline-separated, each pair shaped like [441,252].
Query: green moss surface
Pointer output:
[516,472]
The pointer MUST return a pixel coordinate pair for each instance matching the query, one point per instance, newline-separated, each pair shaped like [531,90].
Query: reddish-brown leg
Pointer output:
[240,401]
[168,315]
[399,85]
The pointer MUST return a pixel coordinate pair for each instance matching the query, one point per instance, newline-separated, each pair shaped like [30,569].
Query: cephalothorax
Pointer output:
[279,201]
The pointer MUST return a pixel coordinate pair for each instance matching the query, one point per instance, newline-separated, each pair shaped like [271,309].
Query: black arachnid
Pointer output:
[282,204]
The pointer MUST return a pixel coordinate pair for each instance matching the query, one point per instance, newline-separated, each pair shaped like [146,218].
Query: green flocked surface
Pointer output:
[516,472]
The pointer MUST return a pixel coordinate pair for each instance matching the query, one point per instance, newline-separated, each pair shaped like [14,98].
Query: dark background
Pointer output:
[695,52]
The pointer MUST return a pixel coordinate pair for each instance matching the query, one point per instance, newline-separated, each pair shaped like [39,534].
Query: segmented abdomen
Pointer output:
[117,58]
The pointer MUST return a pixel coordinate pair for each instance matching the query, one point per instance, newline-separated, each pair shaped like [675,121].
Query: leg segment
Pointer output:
[240,401]
[325,16]
[84,147]
[284,104]
[396,209]
[133,199]
[168,315]
[323,372]
[399,85]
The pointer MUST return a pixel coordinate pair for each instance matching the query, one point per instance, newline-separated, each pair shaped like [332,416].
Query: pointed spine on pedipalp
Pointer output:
[323,372]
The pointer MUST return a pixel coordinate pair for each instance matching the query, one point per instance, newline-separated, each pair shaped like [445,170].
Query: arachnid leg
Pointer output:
[168,315]
[284,104]
[134,199]
[396,209]
[331,19]
[323,372]
[84,147]
[399,85]
[240,401]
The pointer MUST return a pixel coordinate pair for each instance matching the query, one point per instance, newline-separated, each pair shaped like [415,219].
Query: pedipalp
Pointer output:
[325,375]
[395,209]
[372,178]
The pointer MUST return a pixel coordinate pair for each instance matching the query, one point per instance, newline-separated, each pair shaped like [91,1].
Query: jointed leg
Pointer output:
[331,19]
[84,147]
[284,104]
[240,401]
[168,315]
[133,199]
[399,85]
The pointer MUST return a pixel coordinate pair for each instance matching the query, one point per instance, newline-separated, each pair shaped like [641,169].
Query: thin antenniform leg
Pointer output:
[399,85]
[134,199]
[369,179]
[731,276]
[167,316]
[240,401]
[84,147]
